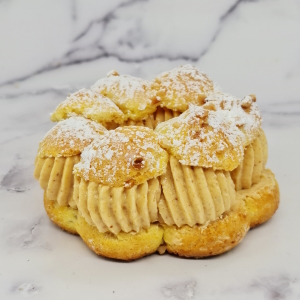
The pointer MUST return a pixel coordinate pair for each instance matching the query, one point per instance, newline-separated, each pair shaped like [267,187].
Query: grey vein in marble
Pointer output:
[180,291]
[80,52]
[57,91]
[19,177]
[27,237]
[274,287]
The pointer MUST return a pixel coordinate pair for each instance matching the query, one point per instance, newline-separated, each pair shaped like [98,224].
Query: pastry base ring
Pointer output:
[262,199]
[123,246]
[208,240]
[63,216]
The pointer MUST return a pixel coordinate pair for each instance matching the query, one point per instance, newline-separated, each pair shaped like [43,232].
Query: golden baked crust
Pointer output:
[123,246]
[243,112]
[69,137]
[204,138]
[207,240]
[126,156]
[89,104]
[262,199]
[63,216]
[134,96]
[183,86]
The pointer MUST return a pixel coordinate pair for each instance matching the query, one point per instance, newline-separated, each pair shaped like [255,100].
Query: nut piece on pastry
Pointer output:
[91,105]
[134,96]
[202,137]
[58,153]
[183,86]
[116,191]
[126,156]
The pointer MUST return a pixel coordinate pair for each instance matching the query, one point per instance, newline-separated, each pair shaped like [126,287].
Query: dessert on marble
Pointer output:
[173,164]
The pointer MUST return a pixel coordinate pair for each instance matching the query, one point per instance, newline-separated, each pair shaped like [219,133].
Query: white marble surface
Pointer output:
[50,48]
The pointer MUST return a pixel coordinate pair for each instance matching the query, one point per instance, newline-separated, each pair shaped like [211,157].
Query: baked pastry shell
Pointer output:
[63,216]
[262,199]
[123,246]
[208,240]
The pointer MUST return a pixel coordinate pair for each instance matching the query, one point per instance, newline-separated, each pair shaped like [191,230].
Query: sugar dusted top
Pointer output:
[70,137]
[91,105]
[183,86]
[126,156]
[244,111]
[205,138]
[134,96]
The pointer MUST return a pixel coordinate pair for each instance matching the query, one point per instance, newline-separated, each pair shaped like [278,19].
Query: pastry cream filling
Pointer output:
[194,195]
[55,175]
[117,209]
[255,158]
[161,115]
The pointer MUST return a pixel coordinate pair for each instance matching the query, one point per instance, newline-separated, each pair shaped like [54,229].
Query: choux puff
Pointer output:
[135,97]
[254,184]
[117,190]
[177,89]
[58,152]
[91,105]
[198,206]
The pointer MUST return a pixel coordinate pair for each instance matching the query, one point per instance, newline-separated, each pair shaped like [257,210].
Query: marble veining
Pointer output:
[180,291]
[50,49]
[130,45]
[29,236]
[275,287]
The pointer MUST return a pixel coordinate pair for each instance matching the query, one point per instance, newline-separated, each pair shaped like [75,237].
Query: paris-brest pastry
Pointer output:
[173,164]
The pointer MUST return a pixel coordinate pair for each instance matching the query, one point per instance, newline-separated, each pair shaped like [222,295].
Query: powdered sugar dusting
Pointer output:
[91,97]
[122,157]
[183,85]
[244,112]
[90,104]
[176,78]
[125,88]
[202,137]
[69,137]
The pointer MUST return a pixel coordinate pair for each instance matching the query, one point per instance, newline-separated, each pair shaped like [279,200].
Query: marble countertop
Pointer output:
[51,48]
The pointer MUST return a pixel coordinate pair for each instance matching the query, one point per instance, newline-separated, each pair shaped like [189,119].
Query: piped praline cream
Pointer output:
[116,186]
